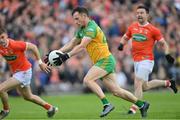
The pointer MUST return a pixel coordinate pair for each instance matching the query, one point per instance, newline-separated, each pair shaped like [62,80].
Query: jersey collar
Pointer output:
[7,42]
[144,24]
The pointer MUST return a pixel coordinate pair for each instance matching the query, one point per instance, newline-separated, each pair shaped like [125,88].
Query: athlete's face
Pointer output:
[79,19]
[142,15]
[3,39]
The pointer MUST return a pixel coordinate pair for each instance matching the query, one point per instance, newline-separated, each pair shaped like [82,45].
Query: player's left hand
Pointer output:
[45,67]
[170,59]
[62,58]
[46,60]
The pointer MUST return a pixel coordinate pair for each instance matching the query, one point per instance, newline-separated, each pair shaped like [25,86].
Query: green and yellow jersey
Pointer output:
[98,47]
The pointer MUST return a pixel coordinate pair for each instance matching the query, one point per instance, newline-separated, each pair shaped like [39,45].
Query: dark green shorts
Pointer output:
[108,64]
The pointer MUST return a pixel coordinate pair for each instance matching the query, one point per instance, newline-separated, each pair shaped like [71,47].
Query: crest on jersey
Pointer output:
[139,37]
[10,58]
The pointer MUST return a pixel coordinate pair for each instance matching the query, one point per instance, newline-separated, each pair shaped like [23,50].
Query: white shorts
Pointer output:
[24,77]
[143,68]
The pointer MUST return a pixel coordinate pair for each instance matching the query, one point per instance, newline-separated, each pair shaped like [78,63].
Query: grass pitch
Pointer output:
[163,105]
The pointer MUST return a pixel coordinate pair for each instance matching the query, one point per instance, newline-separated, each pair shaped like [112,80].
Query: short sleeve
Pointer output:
[19,45]
[77,34]
[157,34]
[128,33]
[90,32]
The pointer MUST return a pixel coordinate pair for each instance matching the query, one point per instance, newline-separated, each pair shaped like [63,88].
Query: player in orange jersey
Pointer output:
[144,36]
[13,52]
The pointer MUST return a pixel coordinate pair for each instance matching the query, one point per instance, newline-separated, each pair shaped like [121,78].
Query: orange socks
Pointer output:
[47,106]
[6,108]
[167,83]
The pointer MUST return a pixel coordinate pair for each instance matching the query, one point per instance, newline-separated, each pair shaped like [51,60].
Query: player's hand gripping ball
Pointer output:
[56,57]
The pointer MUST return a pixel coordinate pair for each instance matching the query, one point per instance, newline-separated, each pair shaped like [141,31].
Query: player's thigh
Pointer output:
[95,73]
[102,68]
[143,69]
[110,82]
[24,77]
[9,84]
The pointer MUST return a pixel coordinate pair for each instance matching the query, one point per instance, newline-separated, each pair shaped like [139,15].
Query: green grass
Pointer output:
[164,105]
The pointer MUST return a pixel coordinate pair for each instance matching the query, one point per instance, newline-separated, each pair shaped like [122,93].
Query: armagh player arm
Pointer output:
[164,45]
[34,49]
[123,41]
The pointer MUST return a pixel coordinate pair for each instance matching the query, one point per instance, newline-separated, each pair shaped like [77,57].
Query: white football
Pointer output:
[53,55]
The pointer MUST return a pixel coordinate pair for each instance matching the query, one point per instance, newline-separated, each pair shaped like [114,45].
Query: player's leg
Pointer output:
[160,83]
[154,84]
[138,82]
[24,88]
[142,70]
[6,86]
[4,100]
[138,92]
[27,95]
[98,71]
[90,81]
[111,84]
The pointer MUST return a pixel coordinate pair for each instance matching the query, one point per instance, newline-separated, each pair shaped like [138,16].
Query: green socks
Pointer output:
[105,101]
[139,103]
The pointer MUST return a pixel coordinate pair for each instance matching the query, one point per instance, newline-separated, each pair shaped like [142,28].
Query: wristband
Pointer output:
[69,55]
[40,61]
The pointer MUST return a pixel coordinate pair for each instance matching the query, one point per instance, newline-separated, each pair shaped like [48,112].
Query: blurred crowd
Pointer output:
[49,25]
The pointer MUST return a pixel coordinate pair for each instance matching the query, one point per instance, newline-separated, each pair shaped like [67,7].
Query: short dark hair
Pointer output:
[2,30]
[80,9]
[143,7]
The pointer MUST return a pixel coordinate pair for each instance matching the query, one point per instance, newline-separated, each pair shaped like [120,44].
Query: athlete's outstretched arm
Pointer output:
[84,42]
[165,47]
[62,57]
[34,49]
[70,45]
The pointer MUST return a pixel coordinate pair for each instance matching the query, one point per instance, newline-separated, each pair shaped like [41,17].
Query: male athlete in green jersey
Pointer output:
[89,36]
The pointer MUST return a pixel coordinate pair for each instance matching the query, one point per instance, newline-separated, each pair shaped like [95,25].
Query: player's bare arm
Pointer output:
[70,45]
[123,41]
[82,46]
[35,51]
[165,47]
[62,57]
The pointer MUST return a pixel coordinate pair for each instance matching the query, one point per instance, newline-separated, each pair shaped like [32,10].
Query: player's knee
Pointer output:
[137,87]
[86,82]
[1,90]
[115,92]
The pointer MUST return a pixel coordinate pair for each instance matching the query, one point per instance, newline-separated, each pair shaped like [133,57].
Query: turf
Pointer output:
[164,105]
